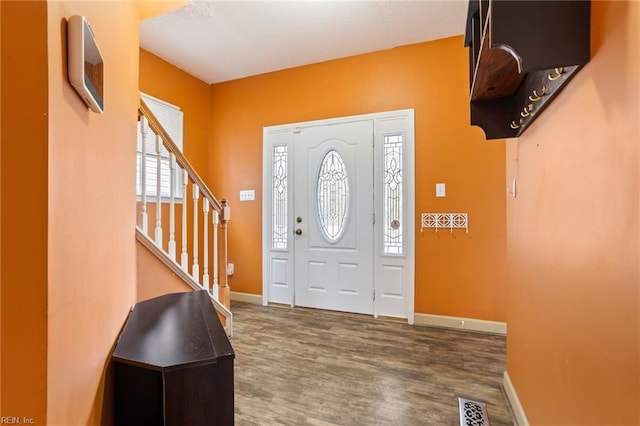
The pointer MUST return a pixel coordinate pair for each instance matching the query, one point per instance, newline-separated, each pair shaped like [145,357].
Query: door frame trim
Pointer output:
[286,131]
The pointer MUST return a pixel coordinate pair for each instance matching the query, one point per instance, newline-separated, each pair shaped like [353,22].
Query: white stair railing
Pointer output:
[173,177]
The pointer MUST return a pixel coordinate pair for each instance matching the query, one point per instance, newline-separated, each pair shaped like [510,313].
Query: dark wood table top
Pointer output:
[173,331]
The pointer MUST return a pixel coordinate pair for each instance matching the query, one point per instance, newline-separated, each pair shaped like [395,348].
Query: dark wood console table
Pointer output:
[174,364]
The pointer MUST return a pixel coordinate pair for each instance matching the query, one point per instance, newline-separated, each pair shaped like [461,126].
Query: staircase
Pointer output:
[180,222]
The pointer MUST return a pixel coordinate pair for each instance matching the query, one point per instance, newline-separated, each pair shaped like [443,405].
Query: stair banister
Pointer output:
[225,297]
[158,186]
[143,175]
[220,215]
[171,146]
[205,244]
[196,267]
[172,208]
[184,256]
[216,221]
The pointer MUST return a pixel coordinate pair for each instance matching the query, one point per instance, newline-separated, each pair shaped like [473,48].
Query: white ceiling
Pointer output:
[225,40]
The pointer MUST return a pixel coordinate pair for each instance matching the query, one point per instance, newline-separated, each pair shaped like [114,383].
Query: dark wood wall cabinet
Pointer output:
[521,55]
[174,364]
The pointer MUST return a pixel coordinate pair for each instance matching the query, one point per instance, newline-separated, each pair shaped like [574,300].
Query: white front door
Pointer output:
[347,187]
[333,210]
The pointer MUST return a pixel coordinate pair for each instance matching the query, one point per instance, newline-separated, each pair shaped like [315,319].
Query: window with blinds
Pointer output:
[171,118]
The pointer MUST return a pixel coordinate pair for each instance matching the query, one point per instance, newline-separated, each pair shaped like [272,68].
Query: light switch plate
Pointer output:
[247,195]
[440,190]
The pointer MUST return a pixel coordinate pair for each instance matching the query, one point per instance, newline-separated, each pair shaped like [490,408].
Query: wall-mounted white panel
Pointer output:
[247,195]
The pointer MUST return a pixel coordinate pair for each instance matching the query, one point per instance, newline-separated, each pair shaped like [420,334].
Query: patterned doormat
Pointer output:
[473,413]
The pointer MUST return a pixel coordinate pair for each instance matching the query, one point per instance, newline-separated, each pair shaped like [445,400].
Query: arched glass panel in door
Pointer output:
[332,195]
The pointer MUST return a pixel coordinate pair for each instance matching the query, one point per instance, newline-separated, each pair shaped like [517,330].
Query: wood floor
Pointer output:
[310,367]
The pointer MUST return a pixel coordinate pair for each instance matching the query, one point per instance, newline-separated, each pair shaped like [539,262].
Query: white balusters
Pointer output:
[195,271]
[225,298]
[143,175]
[216,221]
[205,243]
[180,175]
[172,207]
[158,191]
[184,257]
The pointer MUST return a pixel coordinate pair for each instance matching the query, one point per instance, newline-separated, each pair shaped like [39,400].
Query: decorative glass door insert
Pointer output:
[332,195]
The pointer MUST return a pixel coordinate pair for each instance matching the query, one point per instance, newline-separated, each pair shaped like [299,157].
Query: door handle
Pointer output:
[298,231]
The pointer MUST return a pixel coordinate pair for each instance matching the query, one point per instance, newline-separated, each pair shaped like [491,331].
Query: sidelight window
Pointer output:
[280,158]
[393,241]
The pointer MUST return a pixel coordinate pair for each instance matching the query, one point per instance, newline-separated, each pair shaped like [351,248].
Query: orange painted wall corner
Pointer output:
[24,229]
[573,238]
[91,213]
[151,8]
[165,81]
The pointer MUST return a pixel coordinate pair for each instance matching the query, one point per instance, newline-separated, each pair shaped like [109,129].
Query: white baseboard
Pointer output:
[514,401]
[256,299]
[461,323]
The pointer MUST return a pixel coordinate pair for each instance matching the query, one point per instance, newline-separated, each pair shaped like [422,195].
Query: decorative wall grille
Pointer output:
[472,413]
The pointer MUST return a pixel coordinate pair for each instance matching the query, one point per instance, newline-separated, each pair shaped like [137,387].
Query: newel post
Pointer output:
[225,291]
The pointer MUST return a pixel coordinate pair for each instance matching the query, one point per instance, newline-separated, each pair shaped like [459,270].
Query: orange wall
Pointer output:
[169,83]
[461,276]
[154,278]
[150,8]
[92,257]
[164,81]
[24,210]
[573,234]
[0,218]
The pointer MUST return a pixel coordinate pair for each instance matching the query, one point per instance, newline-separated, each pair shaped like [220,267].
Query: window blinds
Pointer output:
[171,118]
[168,115]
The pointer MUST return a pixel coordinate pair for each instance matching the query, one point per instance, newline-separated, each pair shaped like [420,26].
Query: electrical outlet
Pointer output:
[230,268]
